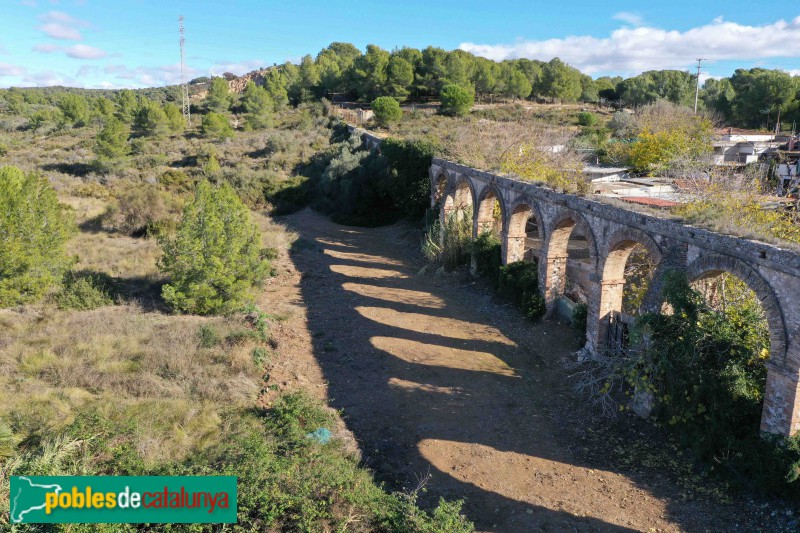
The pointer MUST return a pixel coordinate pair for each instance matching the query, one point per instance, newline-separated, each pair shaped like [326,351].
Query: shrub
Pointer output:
[486,252]
[387,111]
[74,109]
[519,282]
[449,244]
[176,180]
[706,370]
[85,290]
[408,163]
[34,229]
[139,211]
[456,100]
[215,258]
[587,119]
[216,126]
[208,336]
[623,125]
[175,119]
[289,195]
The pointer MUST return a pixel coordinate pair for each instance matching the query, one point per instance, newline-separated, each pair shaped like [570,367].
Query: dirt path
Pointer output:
[435,376]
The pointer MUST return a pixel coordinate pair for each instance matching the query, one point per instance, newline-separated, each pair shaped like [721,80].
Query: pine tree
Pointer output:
[215,258]
[34,228]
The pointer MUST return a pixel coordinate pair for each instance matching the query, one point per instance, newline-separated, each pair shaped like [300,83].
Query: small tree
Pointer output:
[258,106]
[387,111]
[219,97]
[587,119]
[150,120]
[112,141]
[33,230]
[175,120]
[75,110]
[215,258]
[456,100]
[216,126]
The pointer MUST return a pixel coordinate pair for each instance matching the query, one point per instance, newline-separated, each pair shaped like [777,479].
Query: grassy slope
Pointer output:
[131,389]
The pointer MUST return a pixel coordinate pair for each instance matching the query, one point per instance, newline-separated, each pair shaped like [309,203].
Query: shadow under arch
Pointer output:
[412,392]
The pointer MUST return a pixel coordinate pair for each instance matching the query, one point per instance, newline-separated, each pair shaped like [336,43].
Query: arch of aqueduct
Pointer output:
[611,233]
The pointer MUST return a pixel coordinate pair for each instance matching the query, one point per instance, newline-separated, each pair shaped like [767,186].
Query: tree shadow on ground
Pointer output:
[75,169]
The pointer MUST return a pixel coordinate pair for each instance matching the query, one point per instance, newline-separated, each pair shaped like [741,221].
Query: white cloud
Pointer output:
[60,25]
[83,51]
[149,76]
[11,70]
[633,50]
[29,3]
[631,18]
[238,68]
[47,48]
[46,78]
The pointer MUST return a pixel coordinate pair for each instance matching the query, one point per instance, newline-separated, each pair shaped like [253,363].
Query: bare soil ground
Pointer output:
[435,376]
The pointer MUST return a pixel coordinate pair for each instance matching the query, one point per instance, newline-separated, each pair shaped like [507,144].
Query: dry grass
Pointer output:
[129,364]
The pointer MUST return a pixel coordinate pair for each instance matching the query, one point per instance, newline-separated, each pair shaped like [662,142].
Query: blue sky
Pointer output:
[118,43]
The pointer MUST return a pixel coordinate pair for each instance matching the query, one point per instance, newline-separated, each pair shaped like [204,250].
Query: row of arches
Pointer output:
[564,245]
[611,270]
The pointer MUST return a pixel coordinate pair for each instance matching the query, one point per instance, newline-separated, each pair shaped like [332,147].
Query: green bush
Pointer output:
[587,119]
[85,290]
[176,181]
[456,100]
[519,282]
[34,228]
[215,258]
[111,145]
[386,111]
[288,195]
[364,188]
[208,336]
[408,163]
[216,126]
[150,120]
[486,252]
[706,369]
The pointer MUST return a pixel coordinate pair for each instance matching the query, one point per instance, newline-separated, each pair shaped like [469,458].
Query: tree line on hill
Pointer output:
[750,97]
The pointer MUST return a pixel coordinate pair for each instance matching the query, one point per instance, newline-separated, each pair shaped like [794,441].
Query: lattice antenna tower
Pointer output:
[184,85]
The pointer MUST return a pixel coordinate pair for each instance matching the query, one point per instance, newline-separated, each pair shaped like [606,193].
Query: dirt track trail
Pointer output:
[435,376]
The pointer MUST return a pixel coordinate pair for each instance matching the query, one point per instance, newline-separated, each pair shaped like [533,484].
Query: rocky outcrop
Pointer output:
[238,83]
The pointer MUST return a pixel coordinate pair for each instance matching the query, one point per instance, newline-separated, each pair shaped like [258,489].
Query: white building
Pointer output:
[737,146]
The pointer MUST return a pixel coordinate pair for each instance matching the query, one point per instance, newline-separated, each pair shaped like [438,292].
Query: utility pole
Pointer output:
[697,86]
[184,85]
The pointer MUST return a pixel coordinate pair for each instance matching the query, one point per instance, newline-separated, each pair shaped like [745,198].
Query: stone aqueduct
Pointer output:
[611,234]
